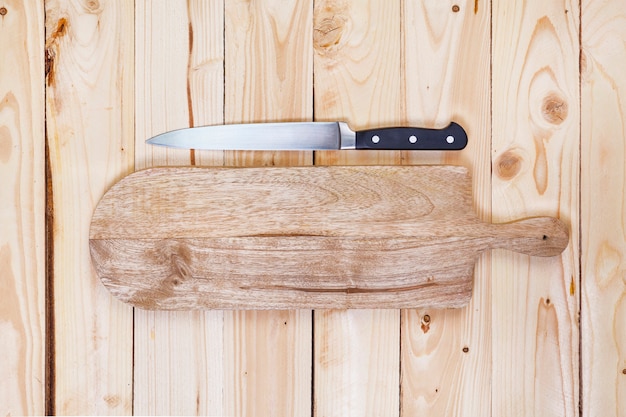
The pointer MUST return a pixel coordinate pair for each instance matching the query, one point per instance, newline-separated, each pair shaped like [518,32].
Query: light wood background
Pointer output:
[540,87]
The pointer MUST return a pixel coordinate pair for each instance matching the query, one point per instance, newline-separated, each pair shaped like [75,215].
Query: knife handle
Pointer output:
[451,138]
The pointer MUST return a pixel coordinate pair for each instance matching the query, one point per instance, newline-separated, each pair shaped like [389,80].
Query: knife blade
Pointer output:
[311,136]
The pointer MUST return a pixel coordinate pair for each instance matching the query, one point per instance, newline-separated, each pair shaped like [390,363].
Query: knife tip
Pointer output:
[154,141]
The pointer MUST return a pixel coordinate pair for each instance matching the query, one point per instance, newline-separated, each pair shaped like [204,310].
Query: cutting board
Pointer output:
[300,237]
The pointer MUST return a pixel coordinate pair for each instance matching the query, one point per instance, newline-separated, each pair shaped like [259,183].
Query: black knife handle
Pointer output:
[451,138]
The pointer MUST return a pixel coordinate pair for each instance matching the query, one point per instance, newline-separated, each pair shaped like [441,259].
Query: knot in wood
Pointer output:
[328,31]
[554,109]
[52,46]
[3,11]
[425,325]
[508,165]
[180,269]
[92,6]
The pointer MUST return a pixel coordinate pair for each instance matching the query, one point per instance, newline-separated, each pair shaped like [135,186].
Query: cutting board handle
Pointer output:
[535,236]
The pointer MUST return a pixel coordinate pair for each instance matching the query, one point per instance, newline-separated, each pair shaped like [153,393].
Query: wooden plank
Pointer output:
[90,121]
[179,83]
[357,45]
[446,354]
[268,73]
[22,206]
[178,367]
[267,360]
[603,219]
[536,118]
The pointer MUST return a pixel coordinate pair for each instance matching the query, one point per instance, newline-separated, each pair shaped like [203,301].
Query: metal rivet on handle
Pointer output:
[375,139]
[450,139]
[412,138]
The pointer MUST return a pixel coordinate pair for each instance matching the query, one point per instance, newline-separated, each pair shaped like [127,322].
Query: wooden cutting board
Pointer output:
[304,237]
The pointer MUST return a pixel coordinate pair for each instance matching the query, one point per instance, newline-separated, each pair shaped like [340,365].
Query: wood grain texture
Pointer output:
[603,219]
[361,367]
[357,46]
[22,205]
[178,366]
[268,77]
[267,356]
[90,122]
[536,118]
[446,354]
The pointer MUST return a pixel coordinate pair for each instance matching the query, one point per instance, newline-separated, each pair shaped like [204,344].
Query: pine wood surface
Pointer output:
[603,177]
[535,154]
[89,117]
[543,115]
[22,205]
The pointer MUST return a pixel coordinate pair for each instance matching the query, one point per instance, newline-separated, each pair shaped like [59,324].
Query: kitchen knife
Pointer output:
[312,136]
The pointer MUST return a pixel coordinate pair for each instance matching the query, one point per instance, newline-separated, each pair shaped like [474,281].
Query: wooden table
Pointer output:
[84,83]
